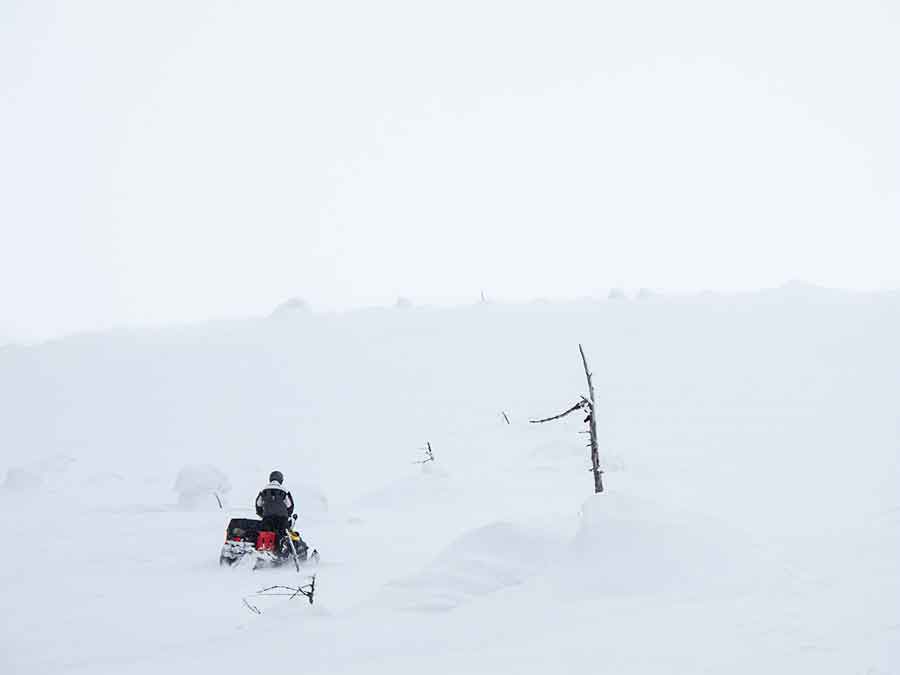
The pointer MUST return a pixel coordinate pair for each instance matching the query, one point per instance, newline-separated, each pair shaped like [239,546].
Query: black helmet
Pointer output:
[276,477]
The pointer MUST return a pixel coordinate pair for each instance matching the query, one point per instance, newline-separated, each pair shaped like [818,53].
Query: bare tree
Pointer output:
[592,426]
[588,405]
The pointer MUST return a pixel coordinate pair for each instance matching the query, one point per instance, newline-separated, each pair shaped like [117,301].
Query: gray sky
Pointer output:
[168,161]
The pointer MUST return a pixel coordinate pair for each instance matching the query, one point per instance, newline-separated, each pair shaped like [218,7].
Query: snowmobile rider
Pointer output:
[275,505]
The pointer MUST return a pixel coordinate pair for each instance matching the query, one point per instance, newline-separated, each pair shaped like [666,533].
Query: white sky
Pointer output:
[168,161]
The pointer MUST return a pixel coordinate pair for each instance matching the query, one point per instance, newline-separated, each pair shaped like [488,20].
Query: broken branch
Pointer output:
[578,406]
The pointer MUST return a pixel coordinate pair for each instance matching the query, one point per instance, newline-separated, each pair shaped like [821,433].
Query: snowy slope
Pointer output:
[750,523]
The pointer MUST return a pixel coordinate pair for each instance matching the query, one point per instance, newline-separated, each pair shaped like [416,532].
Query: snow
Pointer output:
[750,522]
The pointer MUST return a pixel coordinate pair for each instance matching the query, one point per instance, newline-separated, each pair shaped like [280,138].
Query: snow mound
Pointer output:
[482,561]
[291,307]
[201,485]
[20,479]
[636,546]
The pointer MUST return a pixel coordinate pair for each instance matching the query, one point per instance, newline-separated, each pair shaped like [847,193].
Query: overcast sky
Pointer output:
[172,161]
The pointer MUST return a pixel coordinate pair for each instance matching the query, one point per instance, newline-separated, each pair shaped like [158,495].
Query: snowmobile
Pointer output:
[246,537]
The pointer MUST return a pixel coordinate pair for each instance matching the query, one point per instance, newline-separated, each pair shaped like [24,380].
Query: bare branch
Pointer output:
[429,454]
[578,406]
[311,589]
[308,591]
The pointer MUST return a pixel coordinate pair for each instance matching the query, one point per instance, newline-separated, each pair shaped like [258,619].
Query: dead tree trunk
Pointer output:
[592,427]
[588,405]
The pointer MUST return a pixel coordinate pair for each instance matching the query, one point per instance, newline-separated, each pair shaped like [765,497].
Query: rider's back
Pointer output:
[274,500]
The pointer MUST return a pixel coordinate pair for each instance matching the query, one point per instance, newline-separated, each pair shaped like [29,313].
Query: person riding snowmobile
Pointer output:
[273,540]
[275,505]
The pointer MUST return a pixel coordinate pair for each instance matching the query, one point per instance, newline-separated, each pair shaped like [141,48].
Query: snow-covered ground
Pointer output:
[751,522]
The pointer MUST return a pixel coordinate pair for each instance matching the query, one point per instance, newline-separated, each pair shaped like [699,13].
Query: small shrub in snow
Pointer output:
[201,484]
[429,454]
[617,294]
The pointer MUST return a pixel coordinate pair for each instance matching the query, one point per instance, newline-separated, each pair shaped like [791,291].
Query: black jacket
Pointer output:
[274,500]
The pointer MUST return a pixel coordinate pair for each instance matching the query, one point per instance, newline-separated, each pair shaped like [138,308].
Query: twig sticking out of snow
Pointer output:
[429,454]
[308,591]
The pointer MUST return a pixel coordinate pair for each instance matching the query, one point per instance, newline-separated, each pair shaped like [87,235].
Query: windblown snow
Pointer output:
[750,523]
